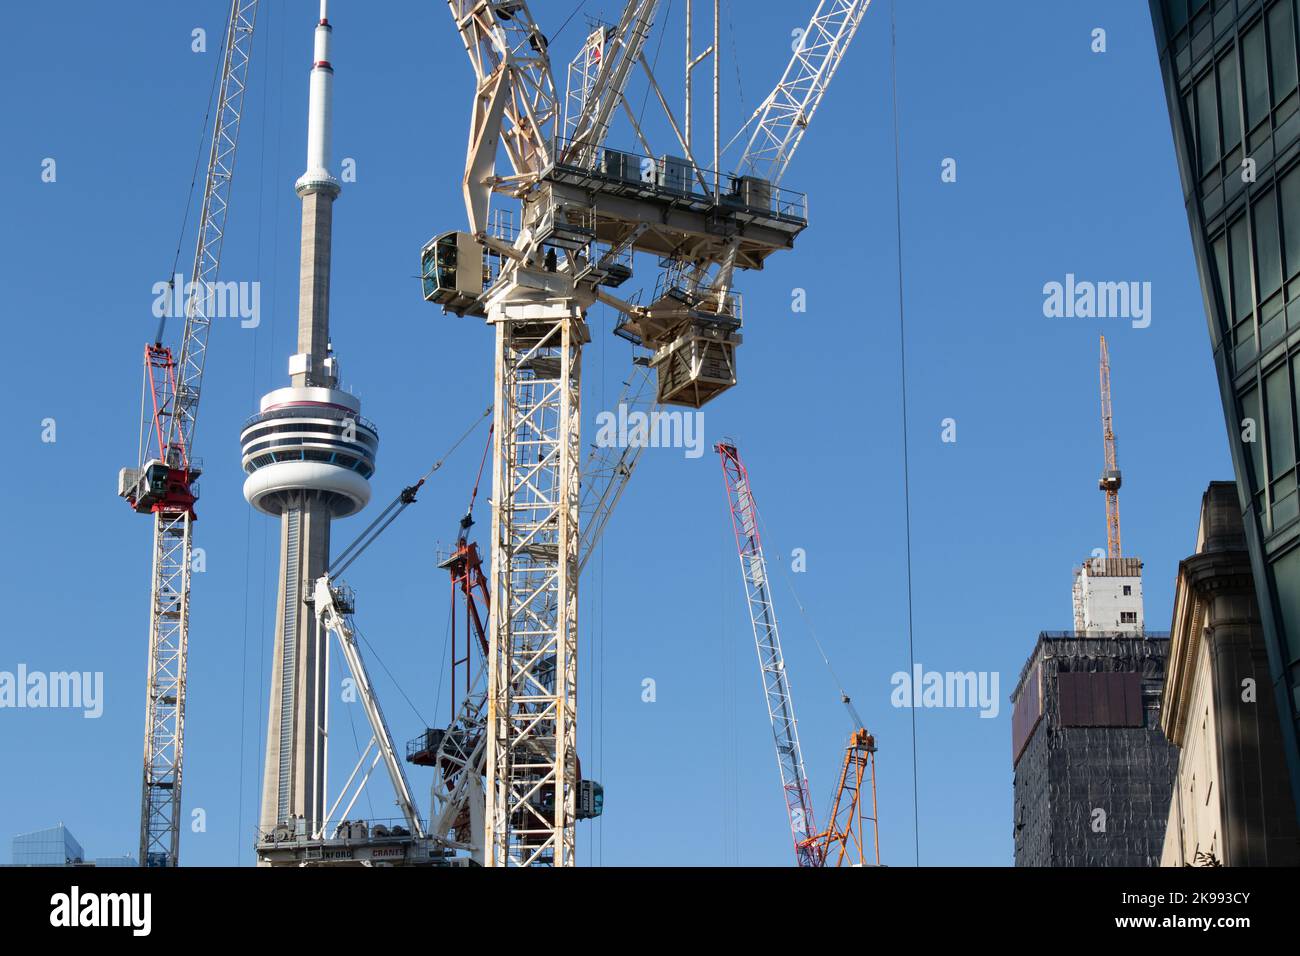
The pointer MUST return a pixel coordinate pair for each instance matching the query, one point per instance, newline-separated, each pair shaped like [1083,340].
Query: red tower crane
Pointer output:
[1111,479]
[771,661]
[845,838]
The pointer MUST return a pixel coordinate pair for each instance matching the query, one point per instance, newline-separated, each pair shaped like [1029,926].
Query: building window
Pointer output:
[1239,246]
[1176,11]
[1290,190]
[1255,74]
[1128,590]
[1286,580]
[1268,253]
[1251,428]
[1281,438]
[1128,617]
[1207,120]
[1221,264]
[1281,50]
[1229,105]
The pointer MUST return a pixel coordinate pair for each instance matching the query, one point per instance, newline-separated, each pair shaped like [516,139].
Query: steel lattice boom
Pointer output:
[784,116]
[212,219]
[771,662]
[1111,479]
[515,103]
[605,93]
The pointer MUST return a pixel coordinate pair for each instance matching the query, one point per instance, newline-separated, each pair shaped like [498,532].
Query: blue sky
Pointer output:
[1065,165]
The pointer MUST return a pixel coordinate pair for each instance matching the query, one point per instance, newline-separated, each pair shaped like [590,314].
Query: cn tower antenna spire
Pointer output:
[320,113]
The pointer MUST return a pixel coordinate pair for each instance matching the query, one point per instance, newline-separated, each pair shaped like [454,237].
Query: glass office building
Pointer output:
[52,847]
[1230,76]
[57,847]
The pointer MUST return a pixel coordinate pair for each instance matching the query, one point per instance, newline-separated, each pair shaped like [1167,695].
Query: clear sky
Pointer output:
[1065,165]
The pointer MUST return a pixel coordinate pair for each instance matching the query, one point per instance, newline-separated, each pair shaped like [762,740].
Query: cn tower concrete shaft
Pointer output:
[309,456]
[293,782]
[314,283]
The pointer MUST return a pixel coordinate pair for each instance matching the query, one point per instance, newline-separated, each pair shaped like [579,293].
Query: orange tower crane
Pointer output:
[1110,477]
[844,842]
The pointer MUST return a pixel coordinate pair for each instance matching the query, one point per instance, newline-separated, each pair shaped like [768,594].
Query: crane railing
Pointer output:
[678,180]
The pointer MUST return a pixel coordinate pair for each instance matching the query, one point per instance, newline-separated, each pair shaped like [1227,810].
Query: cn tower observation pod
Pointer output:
[308,443]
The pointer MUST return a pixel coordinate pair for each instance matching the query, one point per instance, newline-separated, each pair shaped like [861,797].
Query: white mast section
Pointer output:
[334,618]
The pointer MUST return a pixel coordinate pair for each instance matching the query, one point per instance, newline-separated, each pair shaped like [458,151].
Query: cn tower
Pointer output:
[309,456]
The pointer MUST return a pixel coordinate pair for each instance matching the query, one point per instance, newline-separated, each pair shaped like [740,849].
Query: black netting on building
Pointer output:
[1094,778]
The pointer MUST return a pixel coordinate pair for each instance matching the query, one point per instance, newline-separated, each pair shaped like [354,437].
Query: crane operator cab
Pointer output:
[589,803]
[453,271]
[591,800]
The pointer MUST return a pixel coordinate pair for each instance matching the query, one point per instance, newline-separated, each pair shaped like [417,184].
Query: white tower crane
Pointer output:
[586,210]
[164,481]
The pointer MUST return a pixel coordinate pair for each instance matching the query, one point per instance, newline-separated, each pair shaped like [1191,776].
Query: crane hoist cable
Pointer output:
[404,499]
[467,521]
[573,13]
[845,699]
[373,653]
[902,366]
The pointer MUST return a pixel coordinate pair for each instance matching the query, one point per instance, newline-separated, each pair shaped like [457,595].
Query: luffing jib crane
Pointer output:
[845,838]
[334,607]
[771,661]
[163,483]
[1111,479]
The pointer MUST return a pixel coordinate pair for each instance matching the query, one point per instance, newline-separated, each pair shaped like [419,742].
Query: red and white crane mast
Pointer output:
[771,661]
[164,482]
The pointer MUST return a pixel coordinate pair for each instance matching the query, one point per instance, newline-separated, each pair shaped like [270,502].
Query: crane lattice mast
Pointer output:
[1111,479]
[164,482]
[771,661]
[845,840]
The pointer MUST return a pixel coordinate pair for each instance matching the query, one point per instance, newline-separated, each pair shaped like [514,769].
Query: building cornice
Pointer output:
[1201,579]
